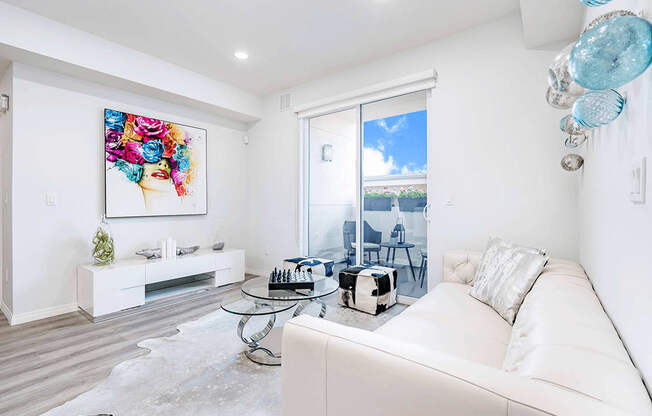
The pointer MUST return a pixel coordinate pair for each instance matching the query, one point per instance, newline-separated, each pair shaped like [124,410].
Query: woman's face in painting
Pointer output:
[156,176]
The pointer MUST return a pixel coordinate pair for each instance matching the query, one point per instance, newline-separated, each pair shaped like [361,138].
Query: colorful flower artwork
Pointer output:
[153,167]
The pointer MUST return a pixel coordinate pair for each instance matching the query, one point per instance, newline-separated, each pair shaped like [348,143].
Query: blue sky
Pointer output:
[396,145]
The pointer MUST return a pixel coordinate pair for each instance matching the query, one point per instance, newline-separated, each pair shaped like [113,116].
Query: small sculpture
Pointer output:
[218,246]
[155,253]
[103,248]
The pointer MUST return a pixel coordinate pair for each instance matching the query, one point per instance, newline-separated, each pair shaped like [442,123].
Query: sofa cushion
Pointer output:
[505,275]
[449,320]
[563,336]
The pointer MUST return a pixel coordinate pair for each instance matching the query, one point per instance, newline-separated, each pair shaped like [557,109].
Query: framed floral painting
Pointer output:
[153,167]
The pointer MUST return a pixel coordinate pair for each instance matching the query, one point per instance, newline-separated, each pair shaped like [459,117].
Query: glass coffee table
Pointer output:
[258,300]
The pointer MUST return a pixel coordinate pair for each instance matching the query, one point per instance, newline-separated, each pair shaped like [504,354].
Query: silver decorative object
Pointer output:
[155,253]
[560,100]
[569,125]
[607,16]
[572,162]
[575,140]
[559,78]
[218,246]
[182,251]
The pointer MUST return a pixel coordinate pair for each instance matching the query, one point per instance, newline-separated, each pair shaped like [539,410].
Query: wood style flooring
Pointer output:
[45,363]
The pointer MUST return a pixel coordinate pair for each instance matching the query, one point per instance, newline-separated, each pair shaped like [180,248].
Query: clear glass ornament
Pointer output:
[558,76]
[559,100]
[570,126]
[575,141]
[572,162]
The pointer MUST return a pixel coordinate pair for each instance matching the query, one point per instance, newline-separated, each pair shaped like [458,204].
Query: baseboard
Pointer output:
[21,318]
[5,309]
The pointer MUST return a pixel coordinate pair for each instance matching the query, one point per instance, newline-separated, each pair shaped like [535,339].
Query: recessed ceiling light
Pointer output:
[241,55]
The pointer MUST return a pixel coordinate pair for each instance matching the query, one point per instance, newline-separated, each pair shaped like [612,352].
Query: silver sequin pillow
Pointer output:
[505,275]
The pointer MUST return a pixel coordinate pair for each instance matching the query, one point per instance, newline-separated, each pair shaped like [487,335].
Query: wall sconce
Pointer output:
[4,103]
[327,153]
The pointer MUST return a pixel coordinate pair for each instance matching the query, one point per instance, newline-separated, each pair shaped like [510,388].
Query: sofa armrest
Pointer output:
[330,369]
[460,266]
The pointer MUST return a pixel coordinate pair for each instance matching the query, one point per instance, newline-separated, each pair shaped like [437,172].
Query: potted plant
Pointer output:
[410,200]
[378,201]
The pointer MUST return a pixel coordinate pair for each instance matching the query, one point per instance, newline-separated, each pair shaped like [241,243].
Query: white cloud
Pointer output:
[375,163]
[399,125]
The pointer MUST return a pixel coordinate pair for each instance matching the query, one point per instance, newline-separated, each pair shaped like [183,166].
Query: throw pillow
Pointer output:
[505,275]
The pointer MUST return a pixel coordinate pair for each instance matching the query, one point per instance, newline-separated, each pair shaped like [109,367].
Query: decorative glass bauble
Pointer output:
[560,100]
[575,140]
[570,126]
[572,162]
[594,3]
[605,17]
[558,76]
[597,108]
[103,250]
[612,53]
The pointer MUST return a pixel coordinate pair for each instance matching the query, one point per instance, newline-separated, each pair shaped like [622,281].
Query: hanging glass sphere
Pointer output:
[560,100]
[575,140]
[605,17]
[570,126]
[612,53]
[597,108]
[558,76]
[594,3]
[572,162]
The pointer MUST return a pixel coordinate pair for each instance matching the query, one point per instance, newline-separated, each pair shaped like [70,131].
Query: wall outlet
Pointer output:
[638,181]
[51,199]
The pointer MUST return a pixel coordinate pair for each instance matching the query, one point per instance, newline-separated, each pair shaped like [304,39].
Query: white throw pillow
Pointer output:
[505,275]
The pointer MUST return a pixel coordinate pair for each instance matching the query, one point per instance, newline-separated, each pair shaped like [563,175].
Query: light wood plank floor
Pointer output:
[44,364]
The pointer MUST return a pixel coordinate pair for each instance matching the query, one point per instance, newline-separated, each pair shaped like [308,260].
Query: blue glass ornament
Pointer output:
[597,108]
[594,3]
[612,53]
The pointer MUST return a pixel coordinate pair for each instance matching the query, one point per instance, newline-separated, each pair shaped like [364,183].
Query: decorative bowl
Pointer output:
[594,3]
[612,53]
[597,108]
[572,162]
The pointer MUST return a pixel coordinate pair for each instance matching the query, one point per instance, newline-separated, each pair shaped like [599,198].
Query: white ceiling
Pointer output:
[289,41]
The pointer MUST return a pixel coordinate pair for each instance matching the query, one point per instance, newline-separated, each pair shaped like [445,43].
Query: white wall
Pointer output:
[6,84]
[616,234]
[495,148]
[58,147]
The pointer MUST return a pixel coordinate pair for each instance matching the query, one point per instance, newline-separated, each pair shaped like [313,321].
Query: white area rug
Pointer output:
[200,371]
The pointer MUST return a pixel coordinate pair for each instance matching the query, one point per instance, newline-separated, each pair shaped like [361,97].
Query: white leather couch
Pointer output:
[449,354]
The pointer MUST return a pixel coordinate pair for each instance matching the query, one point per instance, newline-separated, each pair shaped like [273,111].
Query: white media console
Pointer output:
[103,290]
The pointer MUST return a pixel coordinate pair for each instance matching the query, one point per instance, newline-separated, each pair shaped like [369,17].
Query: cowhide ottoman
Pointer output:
[315,265]
[370,289]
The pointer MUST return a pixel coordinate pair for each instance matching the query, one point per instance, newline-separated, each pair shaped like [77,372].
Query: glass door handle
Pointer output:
[426,212]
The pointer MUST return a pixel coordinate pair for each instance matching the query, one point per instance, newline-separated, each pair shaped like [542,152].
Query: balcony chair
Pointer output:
[372,239]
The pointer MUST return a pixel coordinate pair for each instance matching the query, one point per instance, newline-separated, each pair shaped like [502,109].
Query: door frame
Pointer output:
[422,81]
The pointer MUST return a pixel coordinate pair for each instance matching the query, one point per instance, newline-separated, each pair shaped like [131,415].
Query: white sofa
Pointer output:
[449,354]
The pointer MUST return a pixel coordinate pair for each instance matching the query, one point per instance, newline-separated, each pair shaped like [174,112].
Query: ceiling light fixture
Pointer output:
[241,55]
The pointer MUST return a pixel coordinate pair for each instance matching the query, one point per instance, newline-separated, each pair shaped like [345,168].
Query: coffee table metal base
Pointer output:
[263,343]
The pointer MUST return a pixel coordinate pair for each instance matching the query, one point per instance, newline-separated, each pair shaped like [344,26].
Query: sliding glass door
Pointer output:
[394,172]
[332,167]
[366,188]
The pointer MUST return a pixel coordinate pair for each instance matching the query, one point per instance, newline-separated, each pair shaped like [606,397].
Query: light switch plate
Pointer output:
[638,179]
[51,199]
